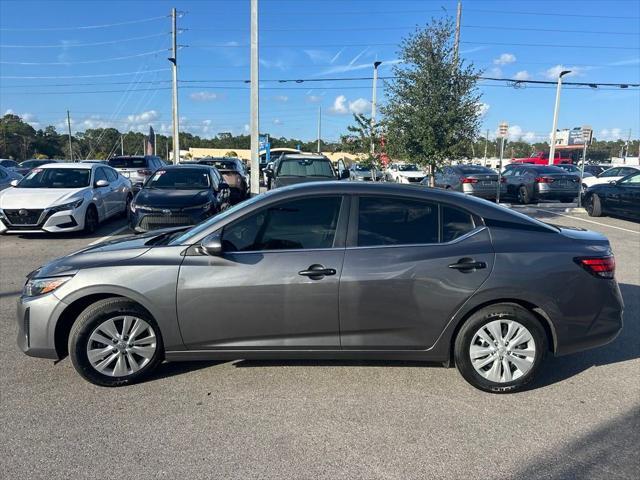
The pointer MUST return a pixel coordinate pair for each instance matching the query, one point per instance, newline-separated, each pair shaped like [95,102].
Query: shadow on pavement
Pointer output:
[105,228]
[625,347]
[170,369]
[610,451]
[332,363]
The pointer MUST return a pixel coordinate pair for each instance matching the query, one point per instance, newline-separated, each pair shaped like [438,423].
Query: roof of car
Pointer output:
[304,156]
[76,165]
[201,166]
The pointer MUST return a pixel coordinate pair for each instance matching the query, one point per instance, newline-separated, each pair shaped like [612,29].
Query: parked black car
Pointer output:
[530,183]
[620,197]
[28,165]
[234,173]
[301,168]
[178,195]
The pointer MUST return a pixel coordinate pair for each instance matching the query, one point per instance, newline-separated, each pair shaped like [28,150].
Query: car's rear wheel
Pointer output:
[500,348]
[594,206]
[523,195]
[91,220]
[115,342]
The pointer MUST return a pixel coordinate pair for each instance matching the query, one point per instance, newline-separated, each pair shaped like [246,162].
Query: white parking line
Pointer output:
[107,237]
[589,221]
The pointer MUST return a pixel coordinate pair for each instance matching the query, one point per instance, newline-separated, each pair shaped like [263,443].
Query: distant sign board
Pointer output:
[264,144]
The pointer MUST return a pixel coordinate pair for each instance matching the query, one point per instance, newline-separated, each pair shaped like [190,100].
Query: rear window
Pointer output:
[306,167]
[542,169]
[223,164]
[475,169]
[128,162]
[180,179]
[455,223]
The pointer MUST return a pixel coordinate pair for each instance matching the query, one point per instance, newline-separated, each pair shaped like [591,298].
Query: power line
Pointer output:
[553,45]
[85,27]
[102,60]
[557,30]
[95,44]
[51,77]
[548,14]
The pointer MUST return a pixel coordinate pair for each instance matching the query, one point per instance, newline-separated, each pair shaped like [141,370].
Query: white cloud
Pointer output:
[144,117]
[483,108]
[505,59]
[246,128]
[522,75]
[516,132]
[280,63]
[203,96]
[8,111]
[281,98]
[277,121]
[339,106]
[318,56]
[553,72]
[610,134]
[495,72]
[360,105]
[314,98]
[529,137]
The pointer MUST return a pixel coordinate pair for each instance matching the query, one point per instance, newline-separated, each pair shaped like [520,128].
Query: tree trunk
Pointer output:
[432,178]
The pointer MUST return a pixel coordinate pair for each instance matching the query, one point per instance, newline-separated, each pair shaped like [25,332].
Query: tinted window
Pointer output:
[56,178]
[8,163]
[396,221]
[128,162]
[455,223]
[224,164]
[308,223]
[470,169]
[2,174]
[550,169]
[626,171]
[100,175]
[112,175]
[305,167]
[408,168]
[612,172]
[632,180]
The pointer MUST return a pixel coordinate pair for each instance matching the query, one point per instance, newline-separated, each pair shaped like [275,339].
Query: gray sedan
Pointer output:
[339,270]
[530,183]
[473,180]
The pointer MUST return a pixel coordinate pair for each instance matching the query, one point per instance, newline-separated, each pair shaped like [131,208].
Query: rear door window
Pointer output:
[455,223]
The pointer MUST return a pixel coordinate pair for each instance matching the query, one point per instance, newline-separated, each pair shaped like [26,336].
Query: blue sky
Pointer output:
[306,39]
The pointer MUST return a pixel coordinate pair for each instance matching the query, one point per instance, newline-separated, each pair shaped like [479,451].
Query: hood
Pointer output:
[103,254]
[285,181]
[412,174]
[164,198]
[38,197]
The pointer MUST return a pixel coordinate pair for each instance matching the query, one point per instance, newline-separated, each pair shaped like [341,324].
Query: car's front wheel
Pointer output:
[500,348]
[594,206]
[91,220]
[115,342]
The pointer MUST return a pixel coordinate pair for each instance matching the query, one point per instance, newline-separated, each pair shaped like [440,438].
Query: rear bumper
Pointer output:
[487,193]
[542,191]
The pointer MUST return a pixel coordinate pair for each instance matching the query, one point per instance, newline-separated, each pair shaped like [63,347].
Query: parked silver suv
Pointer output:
[136,168]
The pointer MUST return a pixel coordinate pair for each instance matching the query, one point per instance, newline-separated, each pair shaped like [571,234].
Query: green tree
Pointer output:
[432,112]
[16,138]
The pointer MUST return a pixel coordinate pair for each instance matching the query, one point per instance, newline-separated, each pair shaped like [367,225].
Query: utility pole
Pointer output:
[122,145]
[456,45]
[155,143]
[587,133]
[255,126]
[174,69]
[373,105]
[70,146]
[503,130]
[486,141]
[626,148]
[319,127]
[556,109]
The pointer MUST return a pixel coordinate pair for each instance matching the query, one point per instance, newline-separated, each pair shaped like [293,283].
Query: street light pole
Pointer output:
[174,103]
[69,126]
[556,109]
[503,130]
[319,127]
[586,140]
[254,122]
[373,116]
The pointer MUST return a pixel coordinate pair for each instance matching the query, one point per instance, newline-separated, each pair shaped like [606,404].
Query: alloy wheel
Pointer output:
[502,351]
[121,346]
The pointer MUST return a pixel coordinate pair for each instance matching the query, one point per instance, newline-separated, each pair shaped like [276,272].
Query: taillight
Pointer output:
[145,172]
[603,267]
[544,180]
[468,180]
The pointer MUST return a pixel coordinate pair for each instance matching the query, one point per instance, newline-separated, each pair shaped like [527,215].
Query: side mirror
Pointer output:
[344,174]
[212,245]
[14,183]
[101,183]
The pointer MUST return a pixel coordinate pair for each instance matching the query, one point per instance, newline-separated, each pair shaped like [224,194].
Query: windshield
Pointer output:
[539,169]
[34,163]
[56,178]
[475,169]
[305,167]
[128,162]
[180,179]
[569,168]
[408,168]
[362,168]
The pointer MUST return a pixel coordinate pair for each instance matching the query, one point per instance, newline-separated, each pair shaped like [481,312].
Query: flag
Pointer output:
[151,142]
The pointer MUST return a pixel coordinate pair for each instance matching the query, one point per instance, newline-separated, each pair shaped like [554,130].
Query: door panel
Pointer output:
[401,297]
[258,300]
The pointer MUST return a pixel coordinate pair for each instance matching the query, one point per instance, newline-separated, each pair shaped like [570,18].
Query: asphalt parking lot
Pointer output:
[310,419]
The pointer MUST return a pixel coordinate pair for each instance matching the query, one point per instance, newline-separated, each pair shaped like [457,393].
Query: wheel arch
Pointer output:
[537,311]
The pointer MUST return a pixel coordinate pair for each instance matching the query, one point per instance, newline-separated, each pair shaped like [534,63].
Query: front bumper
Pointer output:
[145,221]
[37,318]
[47,221]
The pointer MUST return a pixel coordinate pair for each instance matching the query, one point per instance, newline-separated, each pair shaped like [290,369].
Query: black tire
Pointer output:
[523,195]
[504,311]
[91,219]
[594,205]
[127,207]
[92,317]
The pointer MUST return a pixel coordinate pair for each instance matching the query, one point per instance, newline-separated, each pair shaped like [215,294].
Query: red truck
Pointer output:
[542,158]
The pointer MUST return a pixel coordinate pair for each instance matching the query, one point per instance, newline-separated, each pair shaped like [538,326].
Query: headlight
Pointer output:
[204,206]
[67,206]
[132,206]
[40,286]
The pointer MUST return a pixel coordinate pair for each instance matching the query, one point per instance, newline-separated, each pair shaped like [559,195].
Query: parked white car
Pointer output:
[404,173]
[64,197]
[610,175]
